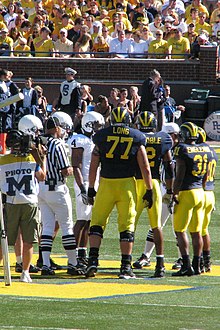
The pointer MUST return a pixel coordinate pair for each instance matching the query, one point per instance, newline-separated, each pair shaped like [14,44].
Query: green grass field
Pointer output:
[105,302]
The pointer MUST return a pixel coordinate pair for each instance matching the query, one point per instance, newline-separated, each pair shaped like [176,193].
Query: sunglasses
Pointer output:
[158,34]
[22,44]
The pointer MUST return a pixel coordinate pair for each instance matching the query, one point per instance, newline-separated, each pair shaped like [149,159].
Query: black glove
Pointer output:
[91,195]
[148,198]
[84,194]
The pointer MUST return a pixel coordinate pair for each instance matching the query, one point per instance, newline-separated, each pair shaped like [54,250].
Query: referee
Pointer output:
[55,201]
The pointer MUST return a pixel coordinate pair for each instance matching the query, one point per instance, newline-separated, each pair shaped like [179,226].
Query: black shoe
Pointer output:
[126,272]
[18,267]
[143,261]
[75,270]
[207,264]
[47,271]
[178,264]
[184,272]
[159,272]
[33,269]
[82,262]
[92,267]
[39,264]
[55,266]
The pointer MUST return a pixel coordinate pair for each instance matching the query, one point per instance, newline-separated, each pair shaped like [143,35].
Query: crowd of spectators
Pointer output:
[108,28]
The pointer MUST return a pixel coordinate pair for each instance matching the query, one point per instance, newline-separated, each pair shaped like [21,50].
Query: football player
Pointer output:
[81,146]
[118,148]
[158,148]
[209,205]
[191,168]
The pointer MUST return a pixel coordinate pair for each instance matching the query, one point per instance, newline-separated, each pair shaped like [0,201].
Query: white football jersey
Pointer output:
[17,179]
[81,141]
[66,89]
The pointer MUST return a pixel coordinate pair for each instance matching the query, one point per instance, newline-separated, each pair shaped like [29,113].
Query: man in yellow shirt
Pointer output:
[196,4]
[44,44]
[6,43]
[158,48]
[215,13]
[179,46]
[22,49]
[202,25]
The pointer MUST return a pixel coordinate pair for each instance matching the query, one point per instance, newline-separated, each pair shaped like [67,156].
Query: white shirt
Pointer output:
[17,179]
[119,47]
[66,46]
[66,89]
[153,28]
[139,47]
[27,97]
[82,141]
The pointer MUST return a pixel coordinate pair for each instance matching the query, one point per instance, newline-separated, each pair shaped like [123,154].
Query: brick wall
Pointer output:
[99,70]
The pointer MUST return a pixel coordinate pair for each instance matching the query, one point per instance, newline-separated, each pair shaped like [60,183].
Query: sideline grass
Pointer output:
[194,308]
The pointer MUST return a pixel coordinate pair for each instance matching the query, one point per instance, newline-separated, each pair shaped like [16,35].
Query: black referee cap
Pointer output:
[52,122]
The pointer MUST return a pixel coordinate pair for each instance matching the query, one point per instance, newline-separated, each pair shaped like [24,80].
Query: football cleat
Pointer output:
[82,262]
[159,272]
[143,261]
[184,272]
[177,264]
[126,272]
[75,270]
[53,265]
[92,267]
[47,271]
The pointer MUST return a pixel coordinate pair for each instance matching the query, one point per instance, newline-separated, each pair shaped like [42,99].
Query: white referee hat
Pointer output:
[171,128]
[70,71]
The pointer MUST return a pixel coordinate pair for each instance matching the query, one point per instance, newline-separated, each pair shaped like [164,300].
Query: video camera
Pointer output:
[22,143]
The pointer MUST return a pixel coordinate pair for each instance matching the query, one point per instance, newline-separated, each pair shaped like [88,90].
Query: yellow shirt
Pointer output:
[46,47]
[214,17]
[205,27]
[158,47]
[8,41]
[19,48]
[181,46]
[201,8]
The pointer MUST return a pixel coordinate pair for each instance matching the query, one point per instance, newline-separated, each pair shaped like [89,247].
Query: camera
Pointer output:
[22,143]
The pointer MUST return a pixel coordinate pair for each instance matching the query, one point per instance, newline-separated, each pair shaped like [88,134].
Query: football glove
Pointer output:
[168,197]
[148,198]
[91,195]
[84,195]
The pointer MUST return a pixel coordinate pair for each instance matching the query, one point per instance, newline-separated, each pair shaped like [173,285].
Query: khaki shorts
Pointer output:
[25,217]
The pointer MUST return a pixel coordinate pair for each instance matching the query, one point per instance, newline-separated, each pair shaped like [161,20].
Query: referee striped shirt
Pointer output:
[57,159]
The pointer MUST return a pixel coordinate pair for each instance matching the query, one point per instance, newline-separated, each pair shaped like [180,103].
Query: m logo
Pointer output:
[25,182]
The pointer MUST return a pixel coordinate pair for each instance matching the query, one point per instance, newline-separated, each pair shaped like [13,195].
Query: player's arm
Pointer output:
[180,173]
[95,160]
[144,167]
[169,170]
[76,160]
[146,175]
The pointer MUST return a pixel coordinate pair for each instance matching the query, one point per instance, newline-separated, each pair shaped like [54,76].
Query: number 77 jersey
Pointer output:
[118,147]
[196,158]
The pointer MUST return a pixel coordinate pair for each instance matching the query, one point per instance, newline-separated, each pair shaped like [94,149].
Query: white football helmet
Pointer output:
[30,125]
[92,121]
[64,119]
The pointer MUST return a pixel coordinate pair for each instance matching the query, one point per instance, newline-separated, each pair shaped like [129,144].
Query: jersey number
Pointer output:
[116,140]
[65,90]
[151,154]
[201,162]
[211,170]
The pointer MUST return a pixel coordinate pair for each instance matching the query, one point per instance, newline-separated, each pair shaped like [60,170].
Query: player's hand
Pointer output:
[148,198]
[91,195]
[168,197]
[84,194]
[175,199]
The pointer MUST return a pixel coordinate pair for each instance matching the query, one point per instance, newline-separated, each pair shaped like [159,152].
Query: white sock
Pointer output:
[19,259]
[71,254]
[149,247]
[46,258]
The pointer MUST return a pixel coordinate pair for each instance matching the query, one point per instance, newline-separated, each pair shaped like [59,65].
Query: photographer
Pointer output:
[19,175]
